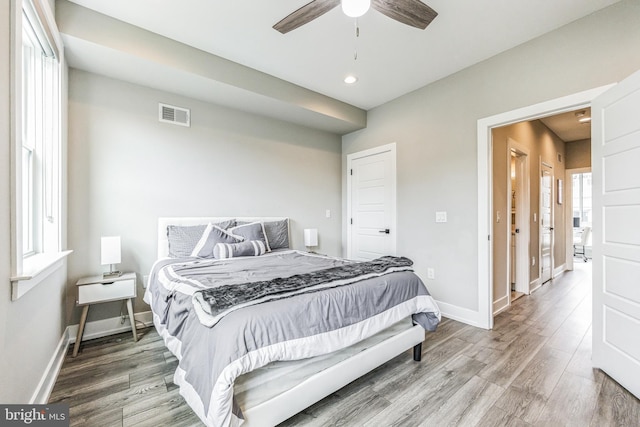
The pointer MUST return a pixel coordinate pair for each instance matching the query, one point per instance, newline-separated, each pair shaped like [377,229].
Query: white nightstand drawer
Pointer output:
[101,292]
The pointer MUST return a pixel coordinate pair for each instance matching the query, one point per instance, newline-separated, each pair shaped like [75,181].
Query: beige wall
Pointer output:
[435,129]
[578,154]
[31,327]
[543,146]
[126,169]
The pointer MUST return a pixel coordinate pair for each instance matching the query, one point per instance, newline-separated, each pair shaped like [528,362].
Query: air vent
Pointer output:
[175,115]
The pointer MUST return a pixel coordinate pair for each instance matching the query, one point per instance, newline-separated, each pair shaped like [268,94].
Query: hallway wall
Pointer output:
[544,146]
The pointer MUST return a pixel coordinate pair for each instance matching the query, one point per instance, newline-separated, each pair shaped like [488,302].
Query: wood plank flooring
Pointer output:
[532,369]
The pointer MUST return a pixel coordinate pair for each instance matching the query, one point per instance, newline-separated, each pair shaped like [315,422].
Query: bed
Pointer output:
[257,357]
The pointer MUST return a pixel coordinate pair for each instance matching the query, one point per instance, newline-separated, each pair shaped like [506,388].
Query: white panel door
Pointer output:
[546,224]
[616,233]
[372,205]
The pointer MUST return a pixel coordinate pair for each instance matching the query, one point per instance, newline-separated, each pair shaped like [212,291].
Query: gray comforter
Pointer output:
[305,325]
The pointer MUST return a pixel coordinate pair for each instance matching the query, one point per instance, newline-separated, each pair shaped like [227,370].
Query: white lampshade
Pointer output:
[355,8]
[310,237]
[110,250]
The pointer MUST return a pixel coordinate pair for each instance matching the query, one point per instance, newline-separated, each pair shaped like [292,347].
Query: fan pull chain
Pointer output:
[355,50]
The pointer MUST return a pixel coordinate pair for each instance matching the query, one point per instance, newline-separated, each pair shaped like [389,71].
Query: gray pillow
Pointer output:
[211,236]
[251,231]
[232,250]
[183,238]
[277,234]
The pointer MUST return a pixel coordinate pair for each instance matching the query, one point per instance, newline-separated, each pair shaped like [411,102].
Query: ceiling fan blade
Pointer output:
[305,14]
[410,12]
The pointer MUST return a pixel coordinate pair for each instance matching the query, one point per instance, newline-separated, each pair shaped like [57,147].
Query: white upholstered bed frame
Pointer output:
[319,385]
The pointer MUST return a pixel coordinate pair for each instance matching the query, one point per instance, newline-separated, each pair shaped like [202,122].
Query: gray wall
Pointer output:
[126,169]
[435,129]
[31,327]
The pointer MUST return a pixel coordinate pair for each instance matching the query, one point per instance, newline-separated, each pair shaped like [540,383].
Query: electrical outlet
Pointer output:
[431,273]
[498,217]
[533,261]
[328,213]
[441,216]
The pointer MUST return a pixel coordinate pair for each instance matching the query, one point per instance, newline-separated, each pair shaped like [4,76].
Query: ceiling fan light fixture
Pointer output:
[355,8]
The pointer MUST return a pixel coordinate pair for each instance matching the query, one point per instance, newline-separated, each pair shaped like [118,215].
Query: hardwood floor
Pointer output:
[533,368]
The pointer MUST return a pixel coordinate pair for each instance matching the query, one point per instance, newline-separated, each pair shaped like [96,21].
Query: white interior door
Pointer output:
[371,222]
[546,223]
[616,234]
[522,201]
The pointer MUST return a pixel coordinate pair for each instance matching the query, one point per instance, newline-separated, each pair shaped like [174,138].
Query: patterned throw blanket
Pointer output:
[213,304]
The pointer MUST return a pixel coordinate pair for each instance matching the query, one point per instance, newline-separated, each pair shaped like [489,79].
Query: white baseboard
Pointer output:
[500,305]
[48,380]
[106,327]
[96,329]
[559,270]
[464,315]
[534,285]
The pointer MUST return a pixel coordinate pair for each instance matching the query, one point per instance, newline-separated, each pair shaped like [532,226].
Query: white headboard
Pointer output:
[163,222]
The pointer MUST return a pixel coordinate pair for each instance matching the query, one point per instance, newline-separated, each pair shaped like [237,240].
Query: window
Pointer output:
[38,170]
[582,205]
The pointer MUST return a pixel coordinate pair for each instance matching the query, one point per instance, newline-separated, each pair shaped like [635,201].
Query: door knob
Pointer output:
[385,231]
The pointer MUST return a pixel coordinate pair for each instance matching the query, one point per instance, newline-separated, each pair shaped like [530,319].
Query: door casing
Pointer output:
[391,148]
[484,315]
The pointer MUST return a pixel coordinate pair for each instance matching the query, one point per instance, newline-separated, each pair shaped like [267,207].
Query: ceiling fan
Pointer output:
[409,12]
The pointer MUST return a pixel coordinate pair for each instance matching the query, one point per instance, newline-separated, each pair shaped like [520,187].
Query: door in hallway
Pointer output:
[546,223]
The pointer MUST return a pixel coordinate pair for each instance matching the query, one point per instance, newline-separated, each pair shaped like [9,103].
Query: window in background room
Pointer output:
[582,207]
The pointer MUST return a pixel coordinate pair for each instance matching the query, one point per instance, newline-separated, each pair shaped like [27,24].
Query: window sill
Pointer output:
[34,270]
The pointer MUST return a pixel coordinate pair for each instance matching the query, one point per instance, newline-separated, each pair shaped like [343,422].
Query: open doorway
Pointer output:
[487,211]
[580,195]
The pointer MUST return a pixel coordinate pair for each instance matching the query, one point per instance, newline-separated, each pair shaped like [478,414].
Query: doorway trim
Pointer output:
[485,168]
[568,202]
[391,148]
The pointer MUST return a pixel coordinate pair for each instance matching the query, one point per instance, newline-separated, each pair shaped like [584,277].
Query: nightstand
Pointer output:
[99,289]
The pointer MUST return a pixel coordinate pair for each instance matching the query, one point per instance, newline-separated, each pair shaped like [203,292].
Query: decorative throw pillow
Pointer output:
[251,231]
[211,236]
[277,234]
[183,238]
[232,250]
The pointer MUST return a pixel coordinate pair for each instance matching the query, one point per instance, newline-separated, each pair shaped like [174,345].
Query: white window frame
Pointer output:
[36,205]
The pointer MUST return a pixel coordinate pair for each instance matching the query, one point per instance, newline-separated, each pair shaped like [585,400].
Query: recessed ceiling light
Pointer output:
[582,117]
[350,79]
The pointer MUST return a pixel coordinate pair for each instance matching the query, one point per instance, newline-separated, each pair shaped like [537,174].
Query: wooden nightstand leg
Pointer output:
[132,319]
[83,320]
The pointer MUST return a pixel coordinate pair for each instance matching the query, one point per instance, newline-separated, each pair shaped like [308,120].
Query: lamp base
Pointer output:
[109,274]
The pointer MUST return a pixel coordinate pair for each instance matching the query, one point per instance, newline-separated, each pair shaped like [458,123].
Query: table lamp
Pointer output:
[110,254]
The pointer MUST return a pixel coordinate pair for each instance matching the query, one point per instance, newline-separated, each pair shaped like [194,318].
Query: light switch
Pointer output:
[328,213]
[441,216]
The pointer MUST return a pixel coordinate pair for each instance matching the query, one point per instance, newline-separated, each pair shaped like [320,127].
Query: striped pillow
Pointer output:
[232,250]
[211,236]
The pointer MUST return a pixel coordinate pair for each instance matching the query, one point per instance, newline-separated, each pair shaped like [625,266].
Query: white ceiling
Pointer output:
[393,59]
